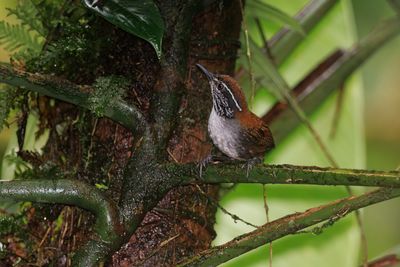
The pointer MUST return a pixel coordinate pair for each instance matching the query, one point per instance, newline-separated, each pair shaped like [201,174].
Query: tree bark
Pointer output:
[182,223]
[97,150]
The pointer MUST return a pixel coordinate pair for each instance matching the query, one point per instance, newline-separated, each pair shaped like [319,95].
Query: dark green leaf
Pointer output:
[141,18]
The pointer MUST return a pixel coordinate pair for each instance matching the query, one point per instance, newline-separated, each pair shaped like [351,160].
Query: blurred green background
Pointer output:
[368,136]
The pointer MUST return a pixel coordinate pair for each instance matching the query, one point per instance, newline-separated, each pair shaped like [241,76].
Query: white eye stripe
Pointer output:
[233,97]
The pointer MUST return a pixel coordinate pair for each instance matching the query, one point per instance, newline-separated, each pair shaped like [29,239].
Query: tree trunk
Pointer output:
[97,150]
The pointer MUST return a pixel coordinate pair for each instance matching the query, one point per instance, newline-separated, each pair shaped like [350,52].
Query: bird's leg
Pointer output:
[213,158]
[203,164]
[250,163]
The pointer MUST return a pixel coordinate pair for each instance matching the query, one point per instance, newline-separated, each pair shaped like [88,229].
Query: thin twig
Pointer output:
[89,153]
[248,56]
[337,112]
[215,203]
[363,237]
[266,208]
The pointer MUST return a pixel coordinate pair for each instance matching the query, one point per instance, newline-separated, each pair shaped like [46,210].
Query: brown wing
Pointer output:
[256,137]
[259,140]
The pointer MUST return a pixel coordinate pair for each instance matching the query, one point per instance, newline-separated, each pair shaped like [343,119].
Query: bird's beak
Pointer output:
[209,75]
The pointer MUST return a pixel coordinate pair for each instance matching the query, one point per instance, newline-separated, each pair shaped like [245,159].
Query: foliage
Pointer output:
[20,165]
[138,17]
[73,46]
[259,9]
[41,21]
[25,40]
[7,225]
[16,36]
[8,95]
[12,225]
[108,90]
[54,13]
[28,36]
[28,15]
[47,170]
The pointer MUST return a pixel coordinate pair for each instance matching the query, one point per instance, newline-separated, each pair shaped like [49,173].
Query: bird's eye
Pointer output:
[220,87]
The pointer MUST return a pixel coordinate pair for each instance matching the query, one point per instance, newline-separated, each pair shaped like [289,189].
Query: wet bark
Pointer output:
[97,150]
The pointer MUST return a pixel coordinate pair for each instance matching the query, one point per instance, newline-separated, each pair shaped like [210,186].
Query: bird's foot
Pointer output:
[250,163]
[203,164]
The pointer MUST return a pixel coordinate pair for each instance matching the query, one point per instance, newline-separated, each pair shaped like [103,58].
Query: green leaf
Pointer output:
[26,12]
[141,18]
[258,9]
[14,37]
[101,186]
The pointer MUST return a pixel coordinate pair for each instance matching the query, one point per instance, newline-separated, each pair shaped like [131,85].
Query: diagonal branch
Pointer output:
[321,83]
[287,225]
[286,40]
[288,174]
[127,115]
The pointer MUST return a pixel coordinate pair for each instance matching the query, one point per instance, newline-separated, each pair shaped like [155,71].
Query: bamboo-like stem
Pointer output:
[288,225]
[317,87]
[286,40]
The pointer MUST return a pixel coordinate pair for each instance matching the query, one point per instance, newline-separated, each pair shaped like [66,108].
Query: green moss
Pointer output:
[8,225]
[108,91]
[15,224]
[73,47]
[70,40]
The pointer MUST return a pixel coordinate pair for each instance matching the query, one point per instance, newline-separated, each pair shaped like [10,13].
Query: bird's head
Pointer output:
[227,96]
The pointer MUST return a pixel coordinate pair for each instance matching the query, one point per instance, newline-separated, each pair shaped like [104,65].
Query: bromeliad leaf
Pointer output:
[259,9]
[139,17]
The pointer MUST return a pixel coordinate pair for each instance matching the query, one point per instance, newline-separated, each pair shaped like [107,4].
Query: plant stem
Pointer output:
[288,174]
[288,225]
[120,112]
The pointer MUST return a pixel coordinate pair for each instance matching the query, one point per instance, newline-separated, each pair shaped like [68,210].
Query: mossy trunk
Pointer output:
[97,150]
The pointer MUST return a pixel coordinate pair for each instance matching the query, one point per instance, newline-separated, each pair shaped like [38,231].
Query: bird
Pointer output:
[232,127]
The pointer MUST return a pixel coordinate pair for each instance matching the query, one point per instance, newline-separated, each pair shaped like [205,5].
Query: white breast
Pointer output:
[224,134]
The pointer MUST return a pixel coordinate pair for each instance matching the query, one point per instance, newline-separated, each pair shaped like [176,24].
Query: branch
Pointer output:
[288,174]
[390,260]
[127,115]
[287,225]
[317,88]
[72,192]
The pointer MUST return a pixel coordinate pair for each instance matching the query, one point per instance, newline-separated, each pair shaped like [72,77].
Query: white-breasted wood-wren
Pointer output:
[233,128]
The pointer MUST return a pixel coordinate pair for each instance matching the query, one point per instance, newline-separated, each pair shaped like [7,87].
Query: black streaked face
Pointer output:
[225,103]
